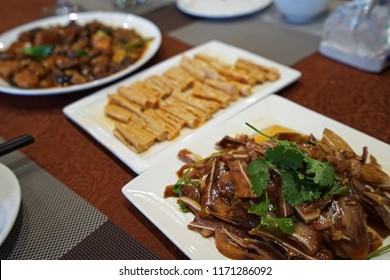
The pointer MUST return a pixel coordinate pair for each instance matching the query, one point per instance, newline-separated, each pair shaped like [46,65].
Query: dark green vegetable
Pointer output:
[184,181]
[136,45]
[183,207]
[262,209]
[81,52]
[41,51]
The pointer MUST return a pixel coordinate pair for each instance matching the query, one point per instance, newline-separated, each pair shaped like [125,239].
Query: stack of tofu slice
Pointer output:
[158,107]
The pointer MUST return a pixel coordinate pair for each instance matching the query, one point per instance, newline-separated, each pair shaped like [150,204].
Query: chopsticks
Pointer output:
[15,144]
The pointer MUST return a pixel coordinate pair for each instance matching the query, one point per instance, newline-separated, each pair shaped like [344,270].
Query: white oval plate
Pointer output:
[221,8]
[10,198]
[145,27]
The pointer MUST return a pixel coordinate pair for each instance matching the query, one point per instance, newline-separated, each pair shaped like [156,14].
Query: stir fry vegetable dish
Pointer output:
[290,197]
[62,56]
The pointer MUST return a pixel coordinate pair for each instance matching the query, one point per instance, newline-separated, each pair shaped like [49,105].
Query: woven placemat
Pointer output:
[254,34]
[109,242]
[54,222]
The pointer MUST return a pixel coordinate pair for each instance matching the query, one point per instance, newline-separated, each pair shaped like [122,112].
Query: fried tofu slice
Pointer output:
[228,71]
[122,101]
[225,86]
[238,75]
[136,94]
[199,69]
[180,77]
[189,119]
[212,61]
[118,113]
[269,73]
[204,91]
[148,90]
[170,118]
[156,83]
[208,106]
[243,89]
[134,136]
[169,82]
[201,114]
[153,124]
[172,129]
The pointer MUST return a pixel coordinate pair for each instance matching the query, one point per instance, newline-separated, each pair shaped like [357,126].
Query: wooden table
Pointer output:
[355,98]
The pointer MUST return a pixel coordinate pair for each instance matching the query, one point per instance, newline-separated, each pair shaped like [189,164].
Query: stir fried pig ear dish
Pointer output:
[62,56]
[290,197]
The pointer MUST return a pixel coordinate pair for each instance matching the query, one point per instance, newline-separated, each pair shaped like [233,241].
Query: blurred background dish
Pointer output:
[301,11]
[221,8]
[143,26]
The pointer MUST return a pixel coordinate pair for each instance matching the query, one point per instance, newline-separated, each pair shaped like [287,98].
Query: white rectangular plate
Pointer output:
[88,112]
[146,191]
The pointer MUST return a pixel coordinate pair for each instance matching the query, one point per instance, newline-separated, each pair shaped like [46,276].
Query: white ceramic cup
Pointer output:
[301,11]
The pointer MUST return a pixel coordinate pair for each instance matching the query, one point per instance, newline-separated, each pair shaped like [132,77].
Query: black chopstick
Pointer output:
[15,144]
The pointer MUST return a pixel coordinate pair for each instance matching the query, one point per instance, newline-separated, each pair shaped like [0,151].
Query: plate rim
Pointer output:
[181,5]
[141,163]
[15,189]
[136,188]
[87,15]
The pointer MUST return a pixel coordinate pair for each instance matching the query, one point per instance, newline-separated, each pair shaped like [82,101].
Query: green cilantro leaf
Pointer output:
[291,193]
[259,175]
[298,189]
[261,209]
[286,225]
[183,207]
[285,155]
[184,181]
[324,173]
[304,179]
[180,184]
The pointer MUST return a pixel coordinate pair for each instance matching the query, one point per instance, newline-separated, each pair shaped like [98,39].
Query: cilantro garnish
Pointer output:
[184,181]
[304,178]
[183,207]
[259,175]
[286,155]
[262,209]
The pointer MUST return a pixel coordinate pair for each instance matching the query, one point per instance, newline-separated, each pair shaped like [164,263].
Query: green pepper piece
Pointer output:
[41,51]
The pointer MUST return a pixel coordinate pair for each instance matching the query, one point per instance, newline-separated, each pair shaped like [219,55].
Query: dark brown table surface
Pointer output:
[356,98]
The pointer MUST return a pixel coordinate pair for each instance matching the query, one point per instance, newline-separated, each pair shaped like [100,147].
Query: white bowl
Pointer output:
[301,11]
